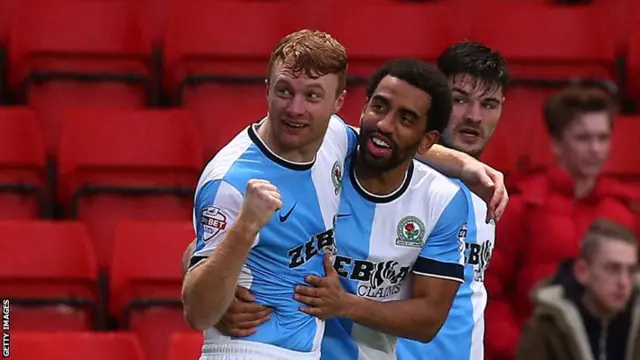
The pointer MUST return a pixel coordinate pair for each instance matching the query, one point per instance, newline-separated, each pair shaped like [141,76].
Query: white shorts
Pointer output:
[248,350]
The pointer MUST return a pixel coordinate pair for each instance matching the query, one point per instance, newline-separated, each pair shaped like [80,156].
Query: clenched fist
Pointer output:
[261,201]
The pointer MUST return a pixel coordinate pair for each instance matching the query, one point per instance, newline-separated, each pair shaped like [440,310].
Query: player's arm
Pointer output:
[227,226]
[437,275]
[186,255]
[482,179]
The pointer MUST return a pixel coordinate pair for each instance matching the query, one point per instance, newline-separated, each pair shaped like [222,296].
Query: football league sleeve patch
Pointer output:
[442,254]
[216,207]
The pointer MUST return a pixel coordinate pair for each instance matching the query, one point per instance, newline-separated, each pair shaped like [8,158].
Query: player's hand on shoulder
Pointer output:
[488,184]
[261,201]
[243,315]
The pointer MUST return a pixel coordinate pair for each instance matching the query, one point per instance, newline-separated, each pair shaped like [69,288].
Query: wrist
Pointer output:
[246,226]
[351,304]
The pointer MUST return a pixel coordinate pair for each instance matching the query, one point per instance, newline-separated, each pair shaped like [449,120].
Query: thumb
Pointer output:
[328,266]
[243,294]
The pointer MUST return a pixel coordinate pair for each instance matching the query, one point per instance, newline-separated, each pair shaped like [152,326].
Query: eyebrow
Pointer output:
[385,101]
[465,93]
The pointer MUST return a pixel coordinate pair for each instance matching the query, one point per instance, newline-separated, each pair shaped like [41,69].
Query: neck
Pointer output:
[303,154]
[583,185]
[379,183]
[595,308]
[444,143]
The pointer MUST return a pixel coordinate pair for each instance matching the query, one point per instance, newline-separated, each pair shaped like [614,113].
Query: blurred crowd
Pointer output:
[561,280]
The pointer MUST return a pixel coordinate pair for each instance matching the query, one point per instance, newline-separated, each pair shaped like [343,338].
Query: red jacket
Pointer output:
[542,226]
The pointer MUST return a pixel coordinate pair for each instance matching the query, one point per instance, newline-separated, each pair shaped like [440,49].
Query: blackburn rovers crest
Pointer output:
[336,177]
[411,232]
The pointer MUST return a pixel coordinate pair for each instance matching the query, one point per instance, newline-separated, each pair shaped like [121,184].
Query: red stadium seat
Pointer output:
[119,164]
[633,56]
[369,45]
[551,46]
[623,161]
[75,346]
[146,280]
[22,165]
[219,77]
[48,270]
[185,346]
[98,58]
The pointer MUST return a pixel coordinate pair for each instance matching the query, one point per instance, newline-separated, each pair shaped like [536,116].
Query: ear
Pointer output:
[266,87]
[428,140]
[339,102]
[581,271]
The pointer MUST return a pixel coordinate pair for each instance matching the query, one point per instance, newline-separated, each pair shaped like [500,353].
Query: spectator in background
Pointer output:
[550,210]
[595,293]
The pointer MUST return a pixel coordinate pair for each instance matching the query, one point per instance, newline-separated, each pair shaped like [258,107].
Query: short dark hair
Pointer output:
[424,77]
[605,228]
[563,107]
[477,60]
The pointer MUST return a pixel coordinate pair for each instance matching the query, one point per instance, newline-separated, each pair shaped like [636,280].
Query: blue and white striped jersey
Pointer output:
[462,335]
[420,228]
[286,249]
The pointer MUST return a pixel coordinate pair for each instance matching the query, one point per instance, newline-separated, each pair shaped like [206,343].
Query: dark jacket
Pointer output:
[562,329]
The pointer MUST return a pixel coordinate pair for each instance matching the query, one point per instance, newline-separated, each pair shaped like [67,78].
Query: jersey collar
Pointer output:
[253,135]
[379,198]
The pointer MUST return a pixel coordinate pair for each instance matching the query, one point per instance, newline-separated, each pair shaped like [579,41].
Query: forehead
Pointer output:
[402,94]
[286,75]
[476,87]
[596,122]
[614,250]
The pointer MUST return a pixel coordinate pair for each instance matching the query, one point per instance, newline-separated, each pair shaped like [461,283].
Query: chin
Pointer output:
[378,164]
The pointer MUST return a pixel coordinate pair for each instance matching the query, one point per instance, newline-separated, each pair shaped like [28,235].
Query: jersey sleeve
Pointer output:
[351,132]
[352,136]
[216,207]
[443,252]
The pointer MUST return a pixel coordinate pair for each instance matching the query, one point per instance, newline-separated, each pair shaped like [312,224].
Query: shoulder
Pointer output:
[339,135]
[222,164]
[628,194]
[432,183]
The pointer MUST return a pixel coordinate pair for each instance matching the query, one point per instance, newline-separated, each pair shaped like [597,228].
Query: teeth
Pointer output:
[294,125]
[379,142]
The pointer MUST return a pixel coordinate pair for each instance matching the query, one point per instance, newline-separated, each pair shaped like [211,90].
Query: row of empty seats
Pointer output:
[68,53]
[116,163]
[49,272]
[97,346]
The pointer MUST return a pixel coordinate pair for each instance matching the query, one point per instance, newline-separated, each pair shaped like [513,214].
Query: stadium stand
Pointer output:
[48,271]
[146,280]
[86,75]
[145,167]
[24,186]
[98,59]
[184,346]
[75,346]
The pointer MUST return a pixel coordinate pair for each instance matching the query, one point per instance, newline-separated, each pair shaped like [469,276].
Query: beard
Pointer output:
[397,157]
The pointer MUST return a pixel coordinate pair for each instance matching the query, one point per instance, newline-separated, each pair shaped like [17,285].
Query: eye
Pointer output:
[283,92]
[490,106]
[314,96]
[459,101]
[407,119]
[377,108]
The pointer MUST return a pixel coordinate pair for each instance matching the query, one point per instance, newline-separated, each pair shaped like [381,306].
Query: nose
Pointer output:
[386,124]
[295,107]
[473,112]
